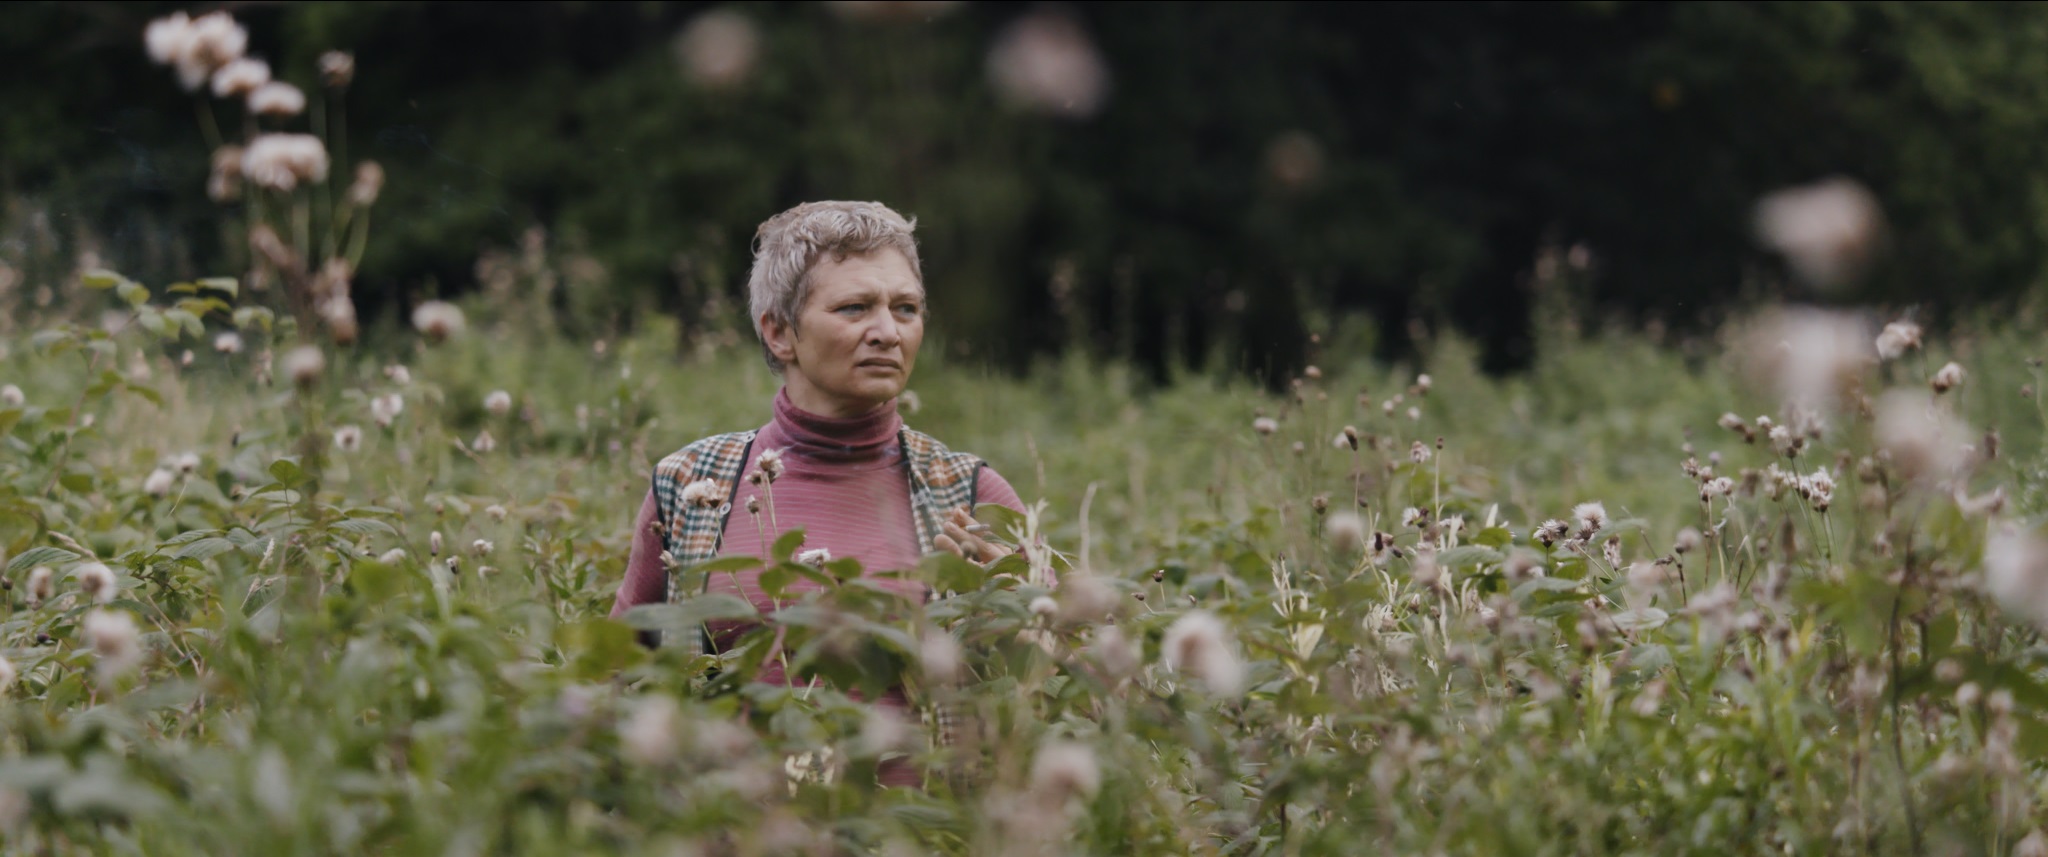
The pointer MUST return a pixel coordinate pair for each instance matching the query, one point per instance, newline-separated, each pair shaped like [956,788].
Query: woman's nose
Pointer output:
[884,333]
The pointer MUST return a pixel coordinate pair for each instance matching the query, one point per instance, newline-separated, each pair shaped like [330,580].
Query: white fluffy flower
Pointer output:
[484,443]
[482,547]
[1897,338]
[1826,230]
[96,580]
[304,364]
[278,98]
[1345,531]
[652,732]
[1947,378]
[11,397]
[940,657]
[240,77]
[113,636]
[2016,572]
[384,409]
[1063,770]
[7,674]
[228,343]
[398,374]
[770,462]
[1046,63]
[703,492]
[166,38]
[195,47]
[1044,607]
[1922,438]
[816,557]
[348,438]
[1199,644]
[1117,653]
[1590,517]
[718,49]
[393,556]
[42,583]
[438,320]
[499,403]
[186,463]
[159,482]
[284,161]
[1265,425]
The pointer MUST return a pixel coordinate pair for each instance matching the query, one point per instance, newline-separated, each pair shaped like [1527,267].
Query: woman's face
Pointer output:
[856,337]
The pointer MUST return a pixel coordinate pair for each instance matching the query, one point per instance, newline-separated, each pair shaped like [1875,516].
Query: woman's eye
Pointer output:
[854,308]
[907,309]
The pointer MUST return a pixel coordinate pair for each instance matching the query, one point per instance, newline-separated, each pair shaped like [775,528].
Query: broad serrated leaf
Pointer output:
[365,526]
[786,544]
[205,548]
[36,556]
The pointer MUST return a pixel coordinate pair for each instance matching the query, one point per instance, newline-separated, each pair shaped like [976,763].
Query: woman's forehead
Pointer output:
[885,273]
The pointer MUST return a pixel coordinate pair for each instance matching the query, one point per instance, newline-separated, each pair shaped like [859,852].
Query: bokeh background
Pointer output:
[1178,185]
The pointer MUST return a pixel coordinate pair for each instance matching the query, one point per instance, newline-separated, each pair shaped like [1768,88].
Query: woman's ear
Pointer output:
[780,338]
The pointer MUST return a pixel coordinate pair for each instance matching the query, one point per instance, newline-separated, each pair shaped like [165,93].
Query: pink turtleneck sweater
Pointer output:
[843,481]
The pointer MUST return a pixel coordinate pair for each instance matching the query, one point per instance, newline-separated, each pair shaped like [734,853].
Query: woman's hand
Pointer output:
[962,536]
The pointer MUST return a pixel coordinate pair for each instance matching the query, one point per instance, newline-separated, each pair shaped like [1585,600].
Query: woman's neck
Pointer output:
[861,437]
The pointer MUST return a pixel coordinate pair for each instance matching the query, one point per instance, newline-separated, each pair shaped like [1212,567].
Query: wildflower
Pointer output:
[7,673]
[393,556]
[1809,356]
[703,492]
[1063,770]
[41,584]
[11,396]
[1265,425]
[96,581]
[398,374]
[438,320]
[1422,384]
[1198,644]
[167,38]
[434,543]
[385,409]
[1313,373]
[1413,517]
[277,98]
[186,463]
[1819,489]
[1116,653]
[284,161]
[241,77]
[1785,442]
[1645,577]
[368,183]
[770,462]
[1345,531]
[1897,338]
[650,734]
[2016,572]
[337,68]
[1990,503]
[304,365]
[112,635]
[348,438]
[1611,551]
[754,505]
[1552,531]
[1087,598]
[1733,423]
[910,402]
[1923,440]
[1687,541]
[484,443]
[1650,700]
[718,49]
[1044,607]
[1344,441]
[1298,448]
[159,482]
[195,47]
[1948,377]
[1826,230]
[228,343]
[2034,844]
[816,557]
[499,403]
[939,655]
[1590,517]
[482,547]
[1045,62]
[1719,486]
[1414,414]
[496,512]
[1320,503]
[1418,453]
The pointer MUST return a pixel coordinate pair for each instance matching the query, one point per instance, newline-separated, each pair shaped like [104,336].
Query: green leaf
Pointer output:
[187,321]
[151,320]
[287,473]
[206,548]
[1007,523]
[949,573]
[603,647]
[36,556]
[1640,620]
[1464,555]
[1544,584]
[1495,537]
[376,581]
[252,315]
[365,526]
[786,544]
[725,565]
[136,294]
[230,285]
[101,278]
[149,393]
[687,615]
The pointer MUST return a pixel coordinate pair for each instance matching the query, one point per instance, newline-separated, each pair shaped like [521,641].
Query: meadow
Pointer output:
[280,580]
[255,607]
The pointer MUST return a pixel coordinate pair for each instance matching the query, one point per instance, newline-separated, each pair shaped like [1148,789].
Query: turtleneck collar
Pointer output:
[869,437]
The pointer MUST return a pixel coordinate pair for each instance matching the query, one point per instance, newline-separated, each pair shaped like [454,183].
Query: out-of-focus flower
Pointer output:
[498,403]
[277,98]
[652,732]
[7,674]
[1294,160]
[1064,770]
[96,580]
[241,77]
[11,397]
[1199,644]
[1345,531]
[1590,517]
[703,492]
[1897,338]
[1948,377]
[348,438]
[438,320]
[283,161]
[2016,572]
[815,557]
[167,38]
[42,583]
[337,69]
[1116,652]
[1265,425]
[113,637]
[718,49]
[224,182]
[482,547]
[158,483]
[393,556]
[304,365]
[398,374]
[369,182]
[385,409]
[1827,231]
[1688,540]
[484,443]
[185,463]
[1045,62]
[196,47]
[1085,599]
[939,655]
[1810,357]
[497,512]
[1924,440]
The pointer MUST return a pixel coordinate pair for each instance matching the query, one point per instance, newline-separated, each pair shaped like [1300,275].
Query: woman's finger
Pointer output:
[946,543]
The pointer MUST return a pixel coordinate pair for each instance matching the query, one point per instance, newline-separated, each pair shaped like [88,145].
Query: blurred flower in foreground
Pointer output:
[1198,644]
[1044,62]
[96,580]
[1063,770]
[195,46]
[304,365]
[1295,160]
[112,635]
[11,396]
[368,183]
[1811,357]
[224,182]
[650,734]
[277,98]
[1897,338]
[283,161]
[438,320]
[337,68]
[241,77]
[2016,572]
[498,403]
[718,49]
[1924,439]
[348,438]
[1827,230]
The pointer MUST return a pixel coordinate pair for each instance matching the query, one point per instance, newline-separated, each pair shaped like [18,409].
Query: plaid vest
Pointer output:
[941,480]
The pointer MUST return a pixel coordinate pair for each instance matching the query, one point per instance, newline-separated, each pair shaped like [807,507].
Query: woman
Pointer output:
[838,299]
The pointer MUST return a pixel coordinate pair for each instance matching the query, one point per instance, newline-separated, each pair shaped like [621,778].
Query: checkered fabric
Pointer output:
[941,480]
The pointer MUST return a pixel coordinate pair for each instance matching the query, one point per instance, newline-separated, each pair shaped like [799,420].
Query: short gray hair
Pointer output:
[789,244]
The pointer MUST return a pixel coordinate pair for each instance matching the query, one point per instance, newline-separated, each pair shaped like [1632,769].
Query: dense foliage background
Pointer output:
[1254,171]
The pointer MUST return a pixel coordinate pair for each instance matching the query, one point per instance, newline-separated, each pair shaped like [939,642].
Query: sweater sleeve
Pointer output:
[993,488]
[646,581]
